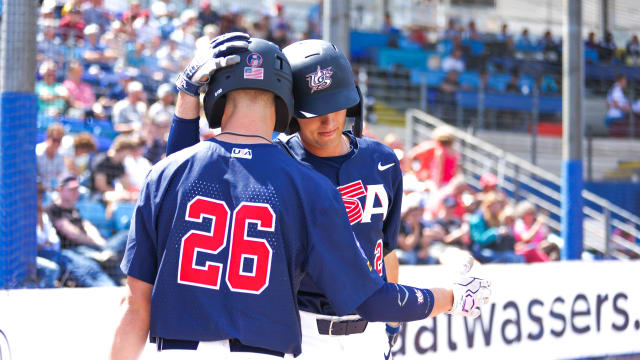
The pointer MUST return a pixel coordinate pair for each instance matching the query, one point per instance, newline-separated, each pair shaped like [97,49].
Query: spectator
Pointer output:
[136,166]
[591,42]
[633,51]
[504,34]
[170,57]
[524,41]
[164,104]
[95,13]
[410,237]
[49,46]
[81,96]
[82,245]
[49,160]
[94,51]
[72,24]
[531,235]
[472,32]
[454,229]
[156,137]
[128,113]
[492,242]
[388,28]
[77,163]
[48,271]
[617,101]
[183,35]
[457,189]
[438,161]
[488,184]
[608,48]
[109,181]
[280,35]
[548,84]
[147,29]
[550,48]
[451,32]
[210,31]
[454,62]
[52,96]
[207,16]
[314,21]
[513,86]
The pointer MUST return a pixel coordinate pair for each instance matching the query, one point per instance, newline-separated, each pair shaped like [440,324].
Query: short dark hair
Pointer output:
[620,76]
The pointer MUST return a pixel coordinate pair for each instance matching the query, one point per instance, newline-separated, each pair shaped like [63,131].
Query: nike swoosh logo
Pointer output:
[384,167]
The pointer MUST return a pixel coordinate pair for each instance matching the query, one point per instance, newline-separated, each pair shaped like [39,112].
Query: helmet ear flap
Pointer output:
[357,111]
[294,127]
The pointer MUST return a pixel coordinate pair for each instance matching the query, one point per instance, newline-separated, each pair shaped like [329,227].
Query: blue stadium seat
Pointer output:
[94,212]
[410,59]
[434,78]
[498,81]
[445,47]
[122,215]
[470,78]
[591,55]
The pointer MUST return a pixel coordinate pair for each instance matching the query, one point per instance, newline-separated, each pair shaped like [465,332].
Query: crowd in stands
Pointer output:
[105,103]
[443,216]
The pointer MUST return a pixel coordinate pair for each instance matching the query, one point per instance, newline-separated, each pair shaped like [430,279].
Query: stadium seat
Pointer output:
[94,212]
[122,215]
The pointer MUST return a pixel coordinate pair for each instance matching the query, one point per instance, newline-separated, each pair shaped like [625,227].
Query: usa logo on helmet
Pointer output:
[320,79]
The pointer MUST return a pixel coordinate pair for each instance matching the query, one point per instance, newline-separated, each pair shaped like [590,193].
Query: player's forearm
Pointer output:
[397,303]
[392,268]
[443,301]
[183,133]
[187,106]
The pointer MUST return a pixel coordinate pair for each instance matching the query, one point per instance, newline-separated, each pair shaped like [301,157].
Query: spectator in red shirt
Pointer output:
[72,24]
[438,160]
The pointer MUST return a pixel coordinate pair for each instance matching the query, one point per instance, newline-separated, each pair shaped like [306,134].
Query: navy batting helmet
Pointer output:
[263,67]
[322,82]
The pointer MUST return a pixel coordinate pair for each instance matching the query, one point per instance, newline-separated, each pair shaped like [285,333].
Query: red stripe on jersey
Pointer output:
[353,190]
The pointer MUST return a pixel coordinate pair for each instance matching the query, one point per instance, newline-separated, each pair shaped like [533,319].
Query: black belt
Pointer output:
[341,327]
[234,346]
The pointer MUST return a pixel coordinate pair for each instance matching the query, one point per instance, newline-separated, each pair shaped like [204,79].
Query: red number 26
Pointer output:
[242,247]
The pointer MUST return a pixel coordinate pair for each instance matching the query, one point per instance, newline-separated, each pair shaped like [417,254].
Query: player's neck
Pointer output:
[246,124]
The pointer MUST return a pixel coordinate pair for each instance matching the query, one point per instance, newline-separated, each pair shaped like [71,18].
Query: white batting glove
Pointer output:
[469,293]
[195,77]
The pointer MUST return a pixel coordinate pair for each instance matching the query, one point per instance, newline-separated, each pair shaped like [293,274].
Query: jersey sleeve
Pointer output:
[183,133]
[140,260]
[336,263]
[391,225]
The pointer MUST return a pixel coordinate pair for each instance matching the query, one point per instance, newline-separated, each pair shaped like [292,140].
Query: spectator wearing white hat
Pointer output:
[94,51]
[210,31]
[164,105]
[128,113]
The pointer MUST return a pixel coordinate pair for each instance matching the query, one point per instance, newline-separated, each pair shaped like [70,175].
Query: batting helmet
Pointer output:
[263,67]
[322,82]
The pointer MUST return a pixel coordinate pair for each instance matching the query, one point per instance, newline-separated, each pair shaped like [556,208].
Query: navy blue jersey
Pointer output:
[225,232]
[370,182]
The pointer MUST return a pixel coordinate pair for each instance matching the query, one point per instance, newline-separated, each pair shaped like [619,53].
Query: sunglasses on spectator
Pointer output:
[56,140]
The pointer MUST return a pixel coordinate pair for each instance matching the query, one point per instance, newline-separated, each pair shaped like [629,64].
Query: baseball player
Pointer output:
[287,221]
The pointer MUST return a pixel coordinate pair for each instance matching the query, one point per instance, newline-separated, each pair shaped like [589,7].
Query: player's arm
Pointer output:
[185,130]
[193,81]
[71,231]
[133,328]
[392,266]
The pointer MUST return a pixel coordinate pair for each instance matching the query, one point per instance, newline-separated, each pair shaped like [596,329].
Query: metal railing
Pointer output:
[604,222]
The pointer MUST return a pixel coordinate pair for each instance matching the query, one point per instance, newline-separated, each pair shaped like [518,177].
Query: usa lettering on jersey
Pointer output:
[353,191]
[241,153]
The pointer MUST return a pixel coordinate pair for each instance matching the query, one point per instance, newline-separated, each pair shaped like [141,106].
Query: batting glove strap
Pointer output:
[188,87]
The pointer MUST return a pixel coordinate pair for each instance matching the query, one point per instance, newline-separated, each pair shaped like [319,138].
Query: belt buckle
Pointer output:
[331,327]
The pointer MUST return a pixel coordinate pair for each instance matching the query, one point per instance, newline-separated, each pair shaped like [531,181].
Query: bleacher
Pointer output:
[406,76]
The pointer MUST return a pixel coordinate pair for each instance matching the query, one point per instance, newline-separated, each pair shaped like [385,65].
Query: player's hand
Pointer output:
[222,53]
[392,334]
[469,293]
